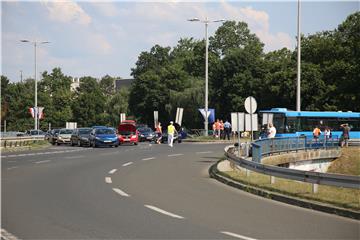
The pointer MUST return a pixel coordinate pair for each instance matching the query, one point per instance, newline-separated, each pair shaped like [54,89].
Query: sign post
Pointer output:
[156,119]
[238,118]
[250,106]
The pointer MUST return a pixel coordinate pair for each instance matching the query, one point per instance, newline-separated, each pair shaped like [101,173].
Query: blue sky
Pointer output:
[90,38]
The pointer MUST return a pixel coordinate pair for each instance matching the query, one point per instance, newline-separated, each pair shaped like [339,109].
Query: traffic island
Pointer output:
[223,171]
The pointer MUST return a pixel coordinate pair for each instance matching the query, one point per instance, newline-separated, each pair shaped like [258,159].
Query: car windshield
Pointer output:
[66,131]
[145,130]
[85,131]
[105,131]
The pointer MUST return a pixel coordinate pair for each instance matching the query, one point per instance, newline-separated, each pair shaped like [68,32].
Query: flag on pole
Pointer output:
[41,112]
[32,112]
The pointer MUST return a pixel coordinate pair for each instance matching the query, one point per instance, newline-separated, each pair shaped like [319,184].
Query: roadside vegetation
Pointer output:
[348,163]
[31,146]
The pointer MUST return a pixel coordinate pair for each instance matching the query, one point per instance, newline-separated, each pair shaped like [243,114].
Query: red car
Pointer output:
[127,133]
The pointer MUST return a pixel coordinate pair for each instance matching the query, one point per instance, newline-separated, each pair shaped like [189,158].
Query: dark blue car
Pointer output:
[103,136]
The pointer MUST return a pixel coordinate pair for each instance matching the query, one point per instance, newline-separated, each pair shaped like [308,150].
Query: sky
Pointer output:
[96,38]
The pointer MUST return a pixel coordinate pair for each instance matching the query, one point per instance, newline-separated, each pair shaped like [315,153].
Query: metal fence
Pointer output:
[267,146]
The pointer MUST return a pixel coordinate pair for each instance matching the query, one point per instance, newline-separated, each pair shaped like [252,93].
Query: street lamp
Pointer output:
[298,88]
[36,109]
[206,21]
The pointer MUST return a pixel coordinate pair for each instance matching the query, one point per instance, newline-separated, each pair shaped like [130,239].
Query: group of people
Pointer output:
[344,138]
[170,132]
[221,130]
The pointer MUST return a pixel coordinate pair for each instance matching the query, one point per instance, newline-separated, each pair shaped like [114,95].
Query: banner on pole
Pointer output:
[156,118]
[210,114]
[179,115]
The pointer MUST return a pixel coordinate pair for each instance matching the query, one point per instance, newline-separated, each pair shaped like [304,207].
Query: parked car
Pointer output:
[80,137]
[64,135]
[146,134]
[127,133]
[103,136]
[36,133]
[53,136]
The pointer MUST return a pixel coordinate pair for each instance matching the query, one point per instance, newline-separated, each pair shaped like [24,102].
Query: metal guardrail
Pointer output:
[337,180]
[267,146]
[9,142]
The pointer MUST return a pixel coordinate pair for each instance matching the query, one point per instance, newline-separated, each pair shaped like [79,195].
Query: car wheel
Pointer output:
[135,143]
[117,145]
[57,143]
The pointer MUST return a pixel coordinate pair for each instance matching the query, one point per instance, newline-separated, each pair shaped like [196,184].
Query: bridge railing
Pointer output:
[267,146]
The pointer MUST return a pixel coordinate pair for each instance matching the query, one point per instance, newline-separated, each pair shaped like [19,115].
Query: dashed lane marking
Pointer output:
[237,235]
[43,153]
[11,168]
[120,192]
[204,152]
[74,157]
[112,171]
[164,212]
[39,162]
[175,155]
[147,159]
[127,164]
[108,180]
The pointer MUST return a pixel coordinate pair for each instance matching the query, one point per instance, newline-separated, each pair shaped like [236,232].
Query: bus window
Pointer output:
[291,124]
[279,123]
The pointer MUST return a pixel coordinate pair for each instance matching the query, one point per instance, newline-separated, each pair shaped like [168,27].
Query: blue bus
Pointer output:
[292,123]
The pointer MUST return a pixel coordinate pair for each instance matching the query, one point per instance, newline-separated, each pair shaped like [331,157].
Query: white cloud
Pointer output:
[258,22]
[67,12]
[106,8]
[98,42]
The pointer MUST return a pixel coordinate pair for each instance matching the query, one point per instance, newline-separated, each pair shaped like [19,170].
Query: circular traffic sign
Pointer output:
[250,104]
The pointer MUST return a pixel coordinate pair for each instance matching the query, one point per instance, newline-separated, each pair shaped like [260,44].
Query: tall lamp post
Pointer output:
[206,21]
[298,88]
[36,112]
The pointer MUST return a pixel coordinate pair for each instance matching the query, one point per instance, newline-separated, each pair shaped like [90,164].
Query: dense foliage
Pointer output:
[167,78]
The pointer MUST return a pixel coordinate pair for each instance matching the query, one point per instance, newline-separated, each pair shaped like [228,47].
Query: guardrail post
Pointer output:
[315,188]
[272,179]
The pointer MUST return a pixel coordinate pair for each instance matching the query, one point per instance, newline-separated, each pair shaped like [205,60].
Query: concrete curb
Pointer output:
[214,173]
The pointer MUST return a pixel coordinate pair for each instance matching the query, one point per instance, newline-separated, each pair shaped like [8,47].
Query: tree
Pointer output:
[233,35]
[118,103]
[89,104]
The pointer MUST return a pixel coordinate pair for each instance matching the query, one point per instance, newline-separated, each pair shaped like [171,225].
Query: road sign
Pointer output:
[237,121]
[250,105]
[122,117]
[179,115]
[251,119]
[156,118]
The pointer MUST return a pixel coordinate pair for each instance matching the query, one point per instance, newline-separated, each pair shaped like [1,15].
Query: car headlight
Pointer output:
[97,138]
[150,135]
[60,138]
[142,135]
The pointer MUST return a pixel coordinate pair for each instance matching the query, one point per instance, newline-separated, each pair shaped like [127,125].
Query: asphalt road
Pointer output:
[144,192]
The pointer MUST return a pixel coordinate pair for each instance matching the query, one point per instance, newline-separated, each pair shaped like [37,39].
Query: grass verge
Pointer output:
[32,146]
[348,198]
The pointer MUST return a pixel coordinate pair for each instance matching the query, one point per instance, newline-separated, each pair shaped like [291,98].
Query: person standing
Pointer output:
[345,134]
[272,131]
[221,129]
[171,131]
[316,133]
[227,129]
[158,132]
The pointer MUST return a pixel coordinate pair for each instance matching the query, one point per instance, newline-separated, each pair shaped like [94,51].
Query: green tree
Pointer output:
[89,104]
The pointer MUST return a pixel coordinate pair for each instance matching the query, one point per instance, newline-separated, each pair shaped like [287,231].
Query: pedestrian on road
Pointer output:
[158,132]
[171,131]
[227,129]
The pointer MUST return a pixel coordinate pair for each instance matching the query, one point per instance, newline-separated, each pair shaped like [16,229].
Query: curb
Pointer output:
[214,173]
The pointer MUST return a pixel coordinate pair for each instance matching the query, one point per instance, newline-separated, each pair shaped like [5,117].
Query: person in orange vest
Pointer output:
[217,128]
[316,133]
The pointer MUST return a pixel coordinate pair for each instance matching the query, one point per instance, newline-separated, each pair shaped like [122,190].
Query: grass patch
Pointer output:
[32,146]
[348,164]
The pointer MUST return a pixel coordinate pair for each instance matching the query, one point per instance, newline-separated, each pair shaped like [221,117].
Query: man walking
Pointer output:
[171,131]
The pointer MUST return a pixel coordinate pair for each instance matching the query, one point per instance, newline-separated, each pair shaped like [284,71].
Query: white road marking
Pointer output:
[164,212]
[73,157]
[108,180]
[122,193]
[45,161]
[204,152]
[127,164]
[7,236]
[237,235]
[11,168]
[43,153]
[113,171]
[147,159]
[175,155]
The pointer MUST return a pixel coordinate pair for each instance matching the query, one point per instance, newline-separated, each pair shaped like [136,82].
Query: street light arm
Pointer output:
[194,20]
[24,40]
